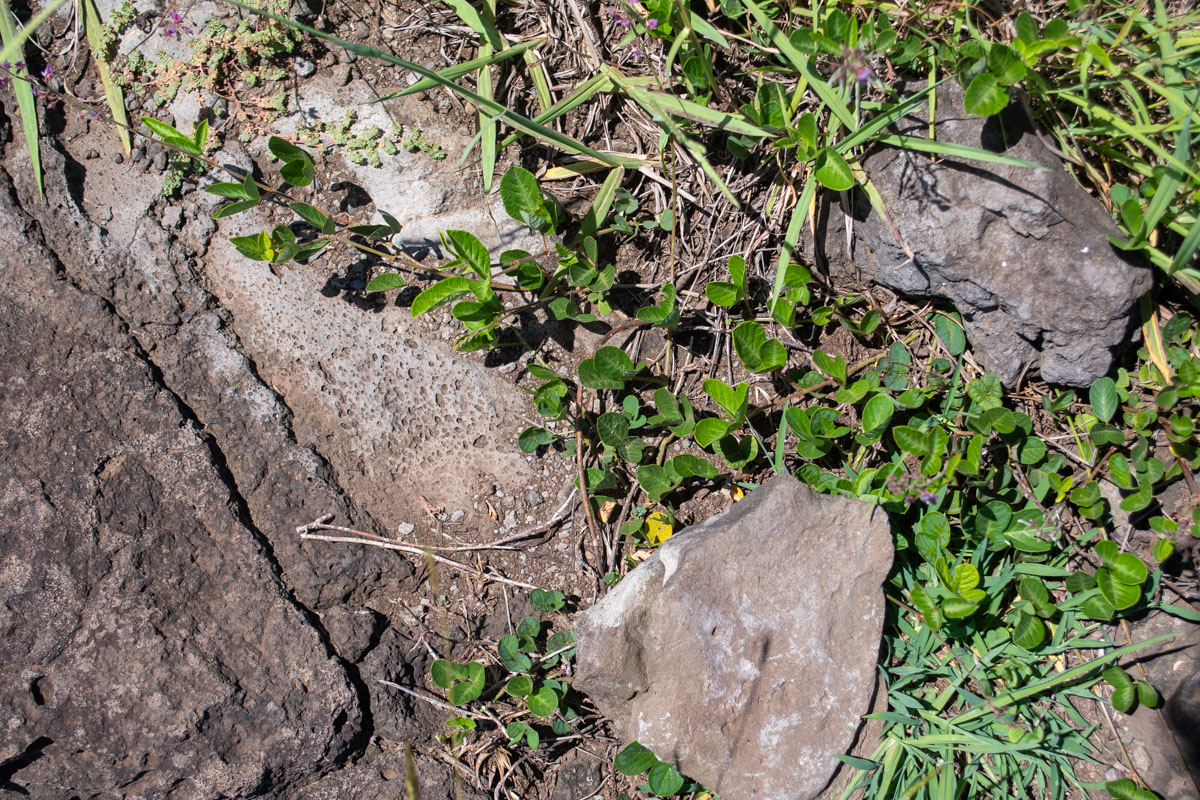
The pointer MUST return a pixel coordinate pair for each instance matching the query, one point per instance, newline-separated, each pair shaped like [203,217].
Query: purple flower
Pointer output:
[652,24]
[854,65]
[620,18]
[175,25]
[927,497]
[47,72]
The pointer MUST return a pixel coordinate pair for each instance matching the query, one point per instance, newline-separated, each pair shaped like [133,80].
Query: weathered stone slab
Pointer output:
[1021,253]
[147,646]
[744,649]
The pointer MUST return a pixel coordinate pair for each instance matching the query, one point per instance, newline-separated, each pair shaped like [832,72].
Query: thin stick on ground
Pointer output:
[583,492]
[362,537]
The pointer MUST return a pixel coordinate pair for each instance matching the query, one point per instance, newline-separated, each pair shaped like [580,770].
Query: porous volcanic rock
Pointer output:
[147,646]
[744,649]
[1021,253]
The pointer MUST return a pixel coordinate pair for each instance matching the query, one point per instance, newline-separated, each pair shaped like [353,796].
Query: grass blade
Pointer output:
[881,121]
[482,24]
[663,117]
[952,150]
[25,102]
[583,92]
[112,92]
[541,84]
[487,128]
[1187,248]
[465,68]
[800,62]
[10,48]
[574,169]
[512,118]
[1097,111]
[710,117]
[1061,679]
[795,225]
[1153,336]
[603,202]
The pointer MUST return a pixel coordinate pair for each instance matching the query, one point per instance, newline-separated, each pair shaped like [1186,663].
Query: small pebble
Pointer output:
[389,774]
[457,515]
[507,368]
[534,498]
[138,155]
[405,528]
[118,158]
[304,67]
[172,218]
[160,162]
[92,155]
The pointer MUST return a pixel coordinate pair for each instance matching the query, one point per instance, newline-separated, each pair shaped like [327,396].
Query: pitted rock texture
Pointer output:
[744,649]
[1021,253]
[101,230]
[147,646]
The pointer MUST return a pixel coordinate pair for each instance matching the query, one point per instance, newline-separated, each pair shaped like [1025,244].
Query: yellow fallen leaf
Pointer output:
[737,493]
[658,527]
[606,510]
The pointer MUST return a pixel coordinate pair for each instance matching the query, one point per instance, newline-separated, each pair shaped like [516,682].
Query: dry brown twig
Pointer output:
[362,537]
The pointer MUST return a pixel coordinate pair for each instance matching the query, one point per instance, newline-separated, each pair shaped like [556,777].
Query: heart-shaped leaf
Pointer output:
[832,171]
[664,780]
[1029,631]
[519,686]
[1120,595]
[1129,569]
[543,703]
[634,760]
[511,656]
[757,352]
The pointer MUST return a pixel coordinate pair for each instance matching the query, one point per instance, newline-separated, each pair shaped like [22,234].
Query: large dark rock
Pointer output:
[744,649]
[100,227]
[147,646]
[1022,253]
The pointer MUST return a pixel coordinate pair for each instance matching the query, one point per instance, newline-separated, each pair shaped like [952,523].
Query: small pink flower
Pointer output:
[652,24]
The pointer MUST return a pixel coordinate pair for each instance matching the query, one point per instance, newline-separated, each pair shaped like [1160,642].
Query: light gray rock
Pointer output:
[1021,253]
[744,649]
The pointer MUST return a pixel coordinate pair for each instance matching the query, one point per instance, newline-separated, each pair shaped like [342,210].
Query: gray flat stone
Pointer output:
[744,649]
[1021,253]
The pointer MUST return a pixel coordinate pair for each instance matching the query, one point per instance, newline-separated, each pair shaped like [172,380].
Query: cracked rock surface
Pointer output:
[148,646]
[169,422]
[1021,253]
